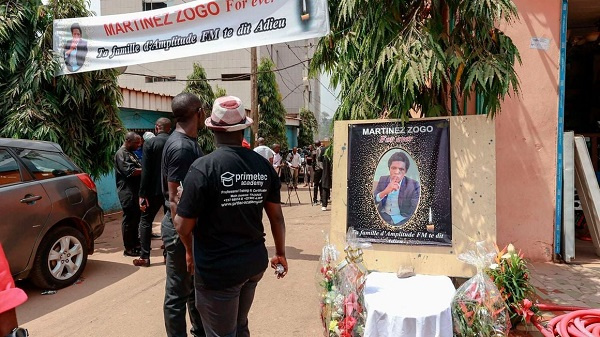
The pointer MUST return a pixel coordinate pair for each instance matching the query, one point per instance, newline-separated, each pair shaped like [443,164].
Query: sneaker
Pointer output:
[141,262]
[323,208]
[131,252]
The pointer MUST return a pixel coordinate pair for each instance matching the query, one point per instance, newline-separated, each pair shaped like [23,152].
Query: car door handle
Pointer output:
[29,198]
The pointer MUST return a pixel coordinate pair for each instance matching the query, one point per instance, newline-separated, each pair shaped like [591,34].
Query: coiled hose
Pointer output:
[579,322]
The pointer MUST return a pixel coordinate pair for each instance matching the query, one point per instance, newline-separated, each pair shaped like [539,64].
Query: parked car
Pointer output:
[50,213]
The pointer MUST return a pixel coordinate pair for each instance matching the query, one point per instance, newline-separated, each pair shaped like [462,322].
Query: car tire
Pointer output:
[60,259]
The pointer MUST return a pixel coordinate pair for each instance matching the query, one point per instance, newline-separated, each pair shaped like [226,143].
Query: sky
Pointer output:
[329,102]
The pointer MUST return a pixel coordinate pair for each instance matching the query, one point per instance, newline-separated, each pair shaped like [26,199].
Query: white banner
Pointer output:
[194,28]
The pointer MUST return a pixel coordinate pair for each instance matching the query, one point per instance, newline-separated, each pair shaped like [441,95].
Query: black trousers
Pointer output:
[179,295]
[225,311]
[145,229]
[325,196]
[317,184]
[129,226]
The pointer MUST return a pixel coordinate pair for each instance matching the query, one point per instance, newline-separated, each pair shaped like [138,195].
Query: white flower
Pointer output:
[511,249]
[493,266]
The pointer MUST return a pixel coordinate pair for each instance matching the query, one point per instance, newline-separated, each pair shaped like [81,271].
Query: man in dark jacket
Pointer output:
[128,170]
[75,49]
[326,180]
[396,195]
[151,196]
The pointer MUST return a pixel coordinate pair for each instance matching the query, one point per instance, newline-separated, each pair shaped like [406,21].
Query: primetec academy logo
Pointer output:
[245,179]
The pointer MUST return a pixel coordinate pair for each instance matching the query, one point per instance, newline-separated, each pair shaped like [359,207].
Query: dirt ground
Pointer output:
[115,298]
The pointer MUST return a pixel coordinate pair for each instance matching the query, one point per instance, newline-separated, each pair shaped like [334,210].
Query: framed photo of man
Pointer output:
[399,182]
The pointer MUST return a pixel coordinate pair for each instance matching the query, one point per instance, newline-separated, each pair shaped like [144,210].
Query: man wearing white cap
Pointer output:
[221,208]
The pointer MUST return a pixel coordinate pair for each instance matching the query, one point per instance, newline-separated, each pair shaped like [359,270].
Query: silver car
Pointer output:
[50,213]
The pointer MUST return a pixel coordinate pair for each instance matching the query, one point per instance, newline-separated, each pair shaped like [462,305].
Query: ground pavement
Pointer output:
[115,298]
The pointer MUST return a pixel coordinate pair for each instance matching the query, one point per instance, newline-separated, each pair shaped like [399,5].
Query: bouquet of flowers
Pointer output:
[511,275]
[478,308]
[341,289]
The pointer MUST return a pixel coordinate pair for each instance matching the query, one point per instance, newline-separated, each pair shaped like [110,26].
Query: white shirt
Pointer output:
[295,160]
[276,161]
[264,151]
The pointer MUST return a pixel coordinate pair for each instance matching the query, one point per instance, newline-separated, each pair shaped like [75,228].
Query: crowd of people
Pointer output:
[213,245]
[312,160]
[213,241]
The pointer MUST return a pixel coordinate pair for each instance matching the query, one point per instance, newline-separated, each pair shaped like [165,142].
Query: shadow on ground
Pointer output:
[97,275]
[293,253]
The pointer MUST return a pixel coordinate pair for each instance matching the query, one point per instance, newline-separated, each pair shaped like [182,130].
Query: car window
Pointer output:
[9,169]
[46,165]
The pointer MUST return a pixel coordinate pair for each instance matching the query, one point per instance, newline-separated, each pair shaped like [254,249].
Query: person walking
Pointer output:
[326,180]
[180,150]
[221,211]
[318,172]
[308,163]
[151,199]
[128,170]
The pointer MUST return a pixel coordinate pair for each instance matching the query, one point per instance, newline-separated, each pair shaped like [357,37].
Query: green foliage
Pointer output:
[198,85]
[78,111]
[271,125]
[220,92]
[391,57]
[512,277]
[308,127]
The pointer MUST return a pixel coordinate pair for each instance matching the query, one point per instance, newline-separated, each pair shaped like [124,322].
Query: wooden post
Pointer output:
[254,95]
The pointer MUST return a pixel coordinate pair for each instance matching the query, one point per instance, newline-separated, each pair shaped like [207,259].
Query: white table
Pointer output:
[417,306]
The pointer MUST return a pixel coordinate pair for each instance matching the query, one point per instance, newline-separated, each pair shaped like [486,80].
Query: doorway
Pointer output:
[582,99]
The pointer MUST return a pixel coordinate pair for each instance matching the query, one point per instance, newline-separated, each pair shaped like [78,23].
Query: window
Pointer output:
[149,5]
[46,165]
[235,77]
[158,79]
[9,169]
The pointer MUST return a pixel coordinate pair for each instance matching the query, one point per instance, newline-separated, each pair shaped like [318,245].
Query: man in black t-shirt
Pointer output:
[179,152]
[222,203]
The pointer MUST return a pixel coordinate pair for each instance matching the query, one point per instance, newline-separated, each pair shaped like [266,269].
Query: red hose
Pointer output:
[581,322]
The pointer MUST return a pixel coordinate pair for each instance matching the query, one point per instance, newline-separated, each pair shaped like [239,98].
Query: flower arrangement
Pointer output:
[479,312]
[511,275]
[478,308]
[341,291]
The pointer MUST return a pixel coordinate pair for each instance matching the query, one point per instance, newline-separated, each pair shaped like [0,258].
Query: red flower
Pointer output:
[525,310]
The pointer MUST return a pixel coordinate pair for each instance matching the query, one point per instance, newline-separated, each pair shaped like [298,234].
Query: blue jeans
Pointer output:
[225,311]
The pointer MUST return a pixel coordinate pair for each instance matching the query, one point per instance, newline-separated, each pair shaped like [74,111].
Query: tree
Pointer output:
[391,57]
[199,86]
[271,125]
[325,128]
[220,92]
[78,111]
[308,126]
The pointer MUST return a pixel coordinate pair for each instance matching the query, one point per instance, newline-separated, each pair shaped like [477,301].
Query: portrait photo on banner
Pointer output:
[74,48]
[399,182]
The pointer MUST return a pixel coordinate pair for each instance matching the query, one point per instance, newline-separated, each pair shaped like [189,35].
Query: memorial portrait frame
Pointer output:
[473,198]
